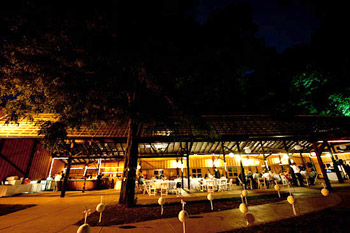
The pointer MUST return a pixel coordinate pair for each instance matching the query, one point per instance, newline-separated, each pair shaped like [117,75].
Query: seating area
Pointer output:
[13,185]
[165,187]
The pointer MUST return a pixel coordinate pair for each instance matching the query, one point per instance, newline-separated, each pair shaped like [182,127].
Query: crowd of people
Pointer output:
[301,173]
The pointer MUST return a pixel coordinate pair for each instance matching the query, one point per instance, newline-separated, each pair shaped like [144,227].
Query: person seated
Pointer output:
[312,177]
[267,175]
[210,176]
[304,173]
[256,175]
[26,181]
[287,175]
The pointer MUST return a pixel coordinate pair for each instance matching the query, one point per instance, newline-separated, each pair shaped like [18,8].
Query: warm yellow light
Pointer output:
[231,155]
[250,161]
[217,163]
[257,162]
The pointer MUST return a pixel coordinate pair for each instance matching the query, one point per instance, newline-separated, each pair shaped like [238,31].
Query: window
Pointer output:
[197,173]
[158,172]
[232,171]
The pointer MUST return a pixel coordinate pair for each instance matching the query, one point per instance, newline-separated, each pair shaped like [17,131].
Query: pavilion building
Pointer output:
[233,144]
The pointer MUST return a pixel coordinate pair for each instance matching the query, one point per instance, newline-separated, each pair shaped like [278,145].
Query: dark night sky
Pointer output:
[281,26]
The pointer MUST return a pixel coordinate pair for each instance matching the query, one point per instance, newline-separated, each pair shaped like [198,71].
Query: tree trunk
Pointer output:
[66,177]
[127,192]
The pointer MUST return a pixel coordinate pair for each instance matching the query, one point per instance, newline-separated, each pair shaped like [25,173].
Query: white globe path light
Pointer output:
[291,200]
[324,191]
[100,208]
[161,202]
[277,188]
[243,208]
[183,216]
[85,228]
[210,197]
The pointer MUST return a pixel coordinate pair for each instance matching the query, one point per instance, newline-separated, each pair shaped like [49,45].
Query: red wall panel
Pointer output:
[18,151]
[40,164]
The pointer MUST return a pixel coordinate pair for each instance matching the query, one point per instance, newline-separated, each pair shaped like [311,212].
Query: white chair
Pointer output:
[249,183]
[284,180]
[229,184]
[222,184]
[203,187]
[152,189]
[145,187]
[164,187]
[210,186]
[175,189]
[262,183]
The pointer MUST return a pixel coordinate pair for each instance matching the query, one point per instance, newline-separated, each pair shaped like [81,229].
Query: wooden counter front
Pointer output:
[79,184]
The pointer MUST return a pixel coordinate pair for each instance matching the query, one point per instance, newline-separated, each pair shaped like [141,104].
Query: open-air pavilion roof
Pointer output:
[262,134]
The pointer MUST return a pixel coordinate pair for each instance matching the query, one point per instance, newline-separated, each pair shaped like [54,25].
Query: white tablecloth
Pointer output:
[10,190]
[36,187]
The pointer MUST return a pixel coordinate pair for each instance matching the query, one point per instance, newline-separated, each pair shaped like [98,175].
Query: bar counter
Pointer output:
[78,184]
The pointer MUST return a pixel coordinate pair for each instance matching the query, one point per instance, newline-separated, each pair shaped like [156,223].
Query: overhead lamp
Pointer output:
[342,147]
[297,147]
[247,150]
[231,155]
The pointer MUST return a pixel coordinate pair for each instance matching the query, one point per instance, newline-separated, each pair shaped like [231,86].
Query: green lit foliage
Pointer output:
[315,94]
[340,103]
[307,89]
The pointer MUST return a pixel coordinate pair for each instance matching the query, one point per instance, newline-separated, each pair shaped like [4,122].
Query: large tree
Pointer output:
[135,61]
[97,63]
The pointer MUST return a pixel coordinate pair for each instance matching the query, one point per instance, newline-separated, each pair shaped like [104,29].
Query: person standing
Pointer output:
[217,173]
[58,178]
[296,170]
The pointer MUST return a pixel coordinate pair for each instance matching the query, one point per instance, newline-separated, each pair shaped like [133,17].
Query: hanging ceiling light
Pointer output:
[342,147]
[247,150]
[297,147]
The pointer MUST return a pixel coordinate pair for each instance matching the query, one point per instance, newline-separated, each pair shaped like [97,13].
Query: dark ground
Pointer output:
[7,209]
[151,212]
[335,219]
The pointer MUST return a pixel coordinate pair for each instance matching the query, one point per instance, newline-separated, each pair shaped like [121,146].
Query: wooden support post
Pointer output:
[188,172]
[264,157]
[223,154]
[335,163]
[66,177]
[295,182]
[32,153]
[302,159]
[177,167]
[318,152]
[182,172]
[241,163]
